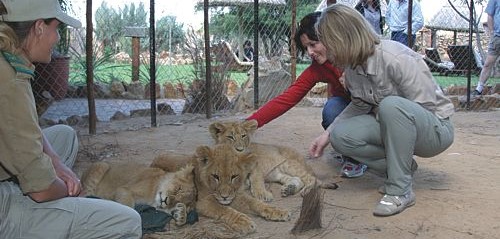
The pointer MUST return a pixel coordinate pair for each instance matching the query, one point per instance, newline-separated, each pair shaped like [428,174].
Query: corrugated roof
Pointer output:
[449,20]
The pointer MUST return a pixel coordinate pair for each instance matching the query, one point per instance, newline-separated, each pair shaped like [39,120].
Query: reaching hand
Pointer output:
[319,144]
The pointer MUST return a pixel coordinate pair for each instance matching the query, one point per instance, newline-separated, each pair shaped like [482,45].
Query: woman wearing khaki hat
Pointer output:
[38,190]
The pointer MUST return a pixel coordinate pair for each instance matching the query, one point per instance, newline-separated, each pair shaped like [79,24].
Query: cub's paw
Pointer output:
[263,195]
[276,214]
[289,190]
[243,224]
[179,213]
[330,185]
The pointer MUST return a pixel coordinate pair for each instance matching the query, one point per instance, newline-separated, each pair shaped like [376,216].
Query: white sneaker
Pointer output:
[390,205]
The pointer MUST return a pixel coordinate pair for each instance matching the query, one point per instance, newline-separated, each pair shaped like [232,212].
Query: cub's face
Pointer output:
[236,134]
[176,188]
[223,170]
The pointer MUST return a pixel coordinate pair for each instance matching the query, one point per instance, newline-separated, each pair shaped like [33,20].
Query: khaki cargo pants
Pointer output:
[387,144]
[82,218]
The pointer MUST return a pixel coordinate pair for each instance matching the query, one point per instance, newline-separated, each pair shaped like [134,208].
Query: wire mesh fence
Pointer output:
[121,59]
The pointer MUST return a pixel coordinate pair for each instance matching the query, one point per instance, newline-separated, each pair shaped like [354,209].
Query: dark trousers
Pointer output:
[402,37]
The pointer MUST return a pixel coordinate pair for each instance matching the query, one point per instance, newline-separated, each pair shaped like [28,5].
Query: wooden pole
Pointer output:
[470,53]
[410,21]
[256,54]
[208,64]
[152,62]
[90,70]
[135,58]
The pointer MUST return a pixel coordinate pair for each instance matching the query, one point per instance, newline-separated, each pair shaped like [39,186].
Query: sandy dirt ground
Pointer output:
[457,191]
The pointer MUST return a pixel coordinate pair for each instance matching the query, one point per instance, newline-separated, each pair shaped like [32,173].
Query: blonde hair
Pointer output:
[8,39]
[12,34]
[347,36]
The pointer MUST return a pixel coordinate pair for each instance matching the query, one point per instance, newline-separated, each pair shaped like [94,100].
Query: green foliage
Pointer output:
[169,34]
[109,26]
[102,63]
[134,16]
[111,23]
[274,23]
[62,47]
[461,80]
[238,22]
[104,71]
[107,71]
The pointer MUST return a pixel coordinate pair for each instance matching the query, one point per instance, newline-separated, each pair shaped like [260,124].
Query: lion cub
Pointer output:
[220,174]
[133,183]
[274,163]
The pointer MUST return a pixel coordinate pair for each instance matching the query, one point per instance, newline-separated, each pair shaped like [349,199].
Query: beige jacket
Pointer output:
[21,149]
[393,70]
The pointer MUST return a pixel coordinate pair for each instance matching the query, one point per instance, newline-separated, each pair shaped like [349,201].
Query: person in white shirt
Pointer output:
[397,20]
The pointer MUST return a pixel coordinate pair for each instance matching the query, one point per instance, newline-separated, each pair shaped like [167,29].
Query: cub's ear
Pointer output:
[203,154]
[215,129]
[250,125]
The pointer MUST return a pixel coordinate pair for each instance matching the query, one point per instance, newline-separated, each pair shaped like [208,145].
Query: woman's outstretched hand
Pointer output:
[319,144]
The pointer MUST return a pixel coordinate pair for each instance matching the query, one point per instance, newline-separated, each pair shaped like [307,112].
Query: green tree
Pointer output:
[111,23]
[169,34]
[274,23]
[135,16]
[109,27]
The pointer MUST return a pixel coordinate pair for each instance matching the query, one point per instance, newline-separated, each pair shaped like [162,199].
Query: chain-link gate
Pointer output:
[121,60]
[454,42]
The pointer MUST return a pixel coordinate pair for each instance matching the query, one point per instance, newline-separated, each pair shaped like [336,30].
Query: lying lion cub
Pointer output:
[133,183]
[275,163]
[220,173]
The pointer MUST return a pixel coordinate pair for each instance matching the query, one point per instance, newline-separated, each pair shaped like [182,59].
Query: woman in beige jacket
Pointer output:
[39,193]
[397,109]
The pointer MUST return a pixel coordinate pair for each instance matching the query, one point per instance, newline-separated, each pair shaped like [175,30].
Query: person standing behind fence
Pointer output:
[247,51]
[493,21]
[371,10]
[397,20]
[38,190]
[397,109]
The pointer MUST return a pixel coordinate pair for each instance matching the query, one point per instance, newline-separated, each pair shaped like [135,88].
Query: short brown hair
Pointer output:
[348,38]
[306,26]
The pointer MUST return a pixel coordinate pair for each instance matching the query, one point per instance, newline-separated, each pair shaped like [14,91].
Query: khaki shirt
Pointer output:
[21,148]
[393,70]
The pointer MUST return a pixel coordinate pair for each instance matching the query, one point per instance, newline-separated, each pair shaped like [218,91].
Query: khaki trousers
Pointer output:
[71,217]
[387,144]
[64,141]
